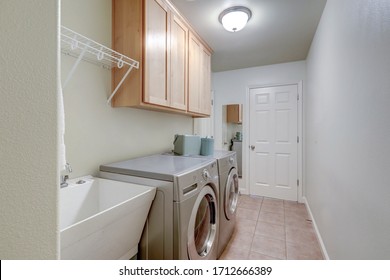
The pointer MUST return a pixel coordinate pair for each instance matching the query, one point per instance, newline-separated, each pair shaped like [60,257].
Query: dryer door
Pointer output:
[203,226]
[231,194]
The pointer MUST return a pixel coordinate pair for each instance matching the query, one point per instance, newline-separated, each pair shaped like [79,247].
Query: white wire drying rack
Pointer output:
[83,48]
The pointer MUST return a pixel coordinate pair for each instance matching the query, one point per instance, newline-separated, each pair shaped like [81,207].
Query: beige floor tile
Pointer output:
[297,214]
[301,236]
[272,201]
[270,230]
[250,199]
[296,211]
[249,205]
[293,204]
[257,256]
[245,225]
[269,247]
[271,217]
[249,214]
[298,221]
[275,208]
[303,252]
[241,240]
[234,253]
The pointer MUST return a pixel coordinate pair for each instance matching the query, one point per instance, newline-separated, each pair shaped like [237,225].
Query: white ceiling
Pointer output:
[279,30]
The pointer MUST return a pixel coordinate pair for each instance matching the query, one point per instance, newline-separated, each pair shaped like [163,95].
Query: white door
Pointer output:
[274,142]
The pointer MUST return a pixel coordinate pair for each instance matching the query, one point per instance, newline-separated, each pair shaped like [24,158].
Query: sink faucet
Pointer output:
[64,178]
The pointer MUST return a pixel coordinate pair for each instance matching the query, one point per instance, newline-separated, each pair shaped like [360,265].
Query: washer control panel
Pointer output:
[189,184]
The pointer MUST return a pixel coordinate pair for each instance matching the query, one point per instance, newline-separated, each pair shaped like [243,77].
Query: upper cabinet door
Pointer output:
[205,83]
[156,66]
[178,65]
[199,89]
[194,75]
[234,113]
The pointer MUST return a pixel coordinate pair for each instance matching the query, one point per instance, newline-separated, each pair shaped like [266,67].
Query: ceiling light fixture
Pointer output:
[235,18]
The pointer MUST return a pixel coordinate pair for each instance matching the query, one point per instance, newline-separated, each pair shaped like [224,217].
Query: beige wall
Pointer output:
[28,129]
[95,132]
[347,129]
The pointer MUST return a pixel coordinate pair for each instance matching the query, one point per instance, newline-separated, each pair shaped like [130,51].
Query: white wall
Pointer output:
[230,87]
[28,129]
[95,132]
[347,129]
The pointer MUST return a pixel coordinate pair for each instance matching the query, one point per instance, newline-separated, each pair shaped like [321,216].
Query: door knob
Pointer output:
[252,147]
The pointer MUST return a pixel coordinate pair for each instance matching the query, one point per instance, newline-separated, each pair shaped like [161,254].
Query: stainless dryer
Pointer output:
[229,193]
[183,222]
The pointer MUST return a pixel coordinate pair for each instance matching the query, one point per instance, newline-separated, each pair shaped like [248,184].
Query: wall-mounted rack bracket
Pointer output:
[83,48]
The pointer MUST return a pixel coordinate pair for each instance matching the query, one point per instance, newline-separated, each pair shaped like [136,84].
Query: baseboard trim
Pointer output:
[323,248]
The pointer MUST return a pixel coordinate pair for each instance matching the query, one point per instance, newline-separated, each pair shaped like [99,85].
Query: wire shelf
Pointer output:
[83,48]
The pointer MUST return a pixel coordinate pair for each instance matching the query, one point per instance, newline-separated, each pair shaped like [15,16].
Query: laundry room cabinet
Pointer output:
[234,113]
[154,33]
[156,54]
[179,63]
[199,100]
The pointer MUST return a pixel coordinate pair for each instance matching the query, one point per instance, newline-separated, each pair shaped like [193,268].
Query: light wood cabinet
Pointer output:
[234,113]
[205,93]
[199,90]
[194,75]
[156,60]
[154,33]
[179,63]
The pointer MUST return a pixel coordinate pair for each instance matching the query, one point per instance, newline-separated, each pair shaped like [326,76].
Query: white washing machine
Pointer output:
[183,222]
[229,193]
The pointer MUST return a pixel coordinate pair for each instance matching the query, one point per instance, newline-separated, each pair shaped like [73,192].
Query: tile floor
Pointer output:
[272,229]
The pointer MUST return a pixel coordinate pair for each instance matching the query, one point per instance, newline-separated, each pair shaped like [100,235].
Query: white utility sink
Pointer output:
[102,219]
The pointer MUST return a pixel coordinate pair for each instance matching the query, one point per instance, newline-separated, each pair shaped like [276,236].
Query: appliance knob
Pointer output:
[231,160]
[206,174]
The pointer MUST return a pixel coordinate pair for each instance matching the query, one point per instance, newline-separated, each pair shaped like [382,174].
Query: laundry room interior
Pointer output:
[186,141]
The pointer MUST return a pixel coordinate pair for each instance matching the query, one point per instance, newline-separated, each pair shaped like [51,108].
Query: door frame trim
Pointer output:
[246,126]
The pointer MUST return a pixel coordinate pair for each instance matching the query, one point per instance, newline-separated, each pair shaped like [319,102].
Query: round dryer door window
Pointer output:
[203,226]
[231,194]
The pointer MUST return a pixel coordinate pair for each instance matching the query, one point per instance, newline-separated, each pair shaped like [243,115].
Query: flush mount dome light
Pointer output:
[235,18]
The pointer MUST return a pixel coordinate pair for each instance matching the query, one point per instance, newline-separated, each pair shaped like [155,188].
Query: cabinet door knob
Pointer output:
[252,147]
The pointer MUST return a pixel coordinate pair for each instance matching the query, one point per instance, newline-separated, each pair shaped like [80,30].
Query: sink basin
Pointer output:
[102,219]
